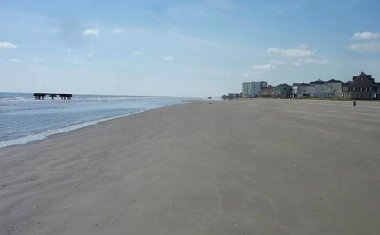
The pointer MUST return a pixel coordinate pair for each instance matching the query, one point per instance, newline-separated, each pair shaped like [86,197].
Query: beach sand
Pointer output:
[236,167]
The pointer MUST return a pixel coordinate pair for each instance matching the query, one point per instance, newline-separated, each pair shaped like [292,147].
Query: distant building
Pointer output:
[318,89]
[267,92]
[329,89]
[362,86]
[263,84]
[283,91]
[246,89]
[301,90]
[335,89]
[253,89]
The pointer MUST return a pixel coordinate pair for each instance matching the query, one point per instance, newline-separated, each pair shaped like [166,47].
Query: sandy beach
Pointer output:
[261,166]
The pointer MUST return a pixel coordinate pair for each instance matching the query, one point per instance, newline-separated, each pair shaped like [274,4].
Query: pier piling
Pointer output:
[41,96]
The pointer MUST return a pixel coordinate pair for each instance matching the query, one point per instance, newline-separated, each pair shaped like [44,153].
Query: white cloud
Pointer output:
[263,67]
[168,58]
[89,55]
[8,45]
[117,31]
[15,60]
[69,50]
[297,52]
[366,47]
[138,52]
[277,62]
[366,36]
[91,32]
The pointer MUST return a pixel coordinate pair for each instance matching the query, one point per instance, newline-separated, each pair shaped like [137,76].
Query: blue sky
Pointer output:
[183,48]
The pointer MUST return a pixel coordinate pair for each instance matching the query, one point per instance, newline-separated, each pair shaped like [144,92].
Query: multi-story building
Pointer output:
[283,91]
[335,89]
[329,89]
[252,89]
[267,92]
[301,90]
[362,86]
[263,84]
[318,89]
[246,89]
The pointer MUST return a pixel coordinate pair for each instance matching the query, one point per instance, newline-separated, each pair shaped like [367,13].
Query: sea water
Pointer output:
[24,119]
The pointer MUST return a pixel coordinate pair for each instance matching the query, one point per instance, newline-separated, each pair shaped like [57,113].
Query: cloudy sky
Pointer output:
[183,48]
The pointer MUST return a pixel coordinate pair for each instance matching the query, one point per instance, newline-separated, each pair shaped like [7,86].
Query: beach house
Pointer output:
[362,86]
[318,89]
[301,90]
[283,91]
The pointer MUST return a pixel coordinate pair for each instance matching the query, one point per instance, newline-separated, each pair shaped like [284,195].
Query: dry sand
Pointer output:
[236,167]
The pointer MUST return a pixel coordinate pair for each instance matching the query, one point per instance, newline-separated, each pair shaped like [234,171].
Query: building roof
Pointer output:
[334,81]
[283,84]
[362,74]
[318,82]
[301,84]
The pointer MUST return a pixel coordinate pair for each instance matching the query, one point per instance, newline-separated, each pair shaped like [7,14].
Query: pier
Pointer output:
[41,96]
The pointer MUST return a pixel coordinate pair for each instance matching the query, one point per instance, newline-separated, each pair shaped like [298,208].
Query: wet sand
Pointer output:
[238,167]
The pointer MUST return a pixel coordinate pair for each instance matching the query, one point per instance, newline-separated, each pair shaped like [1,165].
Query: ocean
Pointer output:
[24,119]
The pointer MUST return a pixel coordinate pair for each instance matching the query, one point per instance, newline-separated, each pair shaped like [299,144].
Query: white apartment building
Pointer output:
[253,89]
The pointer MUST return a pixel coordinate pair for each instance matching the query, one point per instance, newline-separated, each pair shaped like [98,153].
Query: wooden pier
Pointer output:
[41,96]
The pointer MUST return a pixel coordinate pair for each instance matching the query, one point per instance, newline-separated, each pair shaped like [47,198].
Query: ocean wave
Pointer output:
[15,99]
[45,134]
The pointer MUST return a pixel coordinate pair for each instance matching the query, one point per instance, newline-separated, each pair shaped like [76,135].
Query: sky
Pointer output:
[182,48]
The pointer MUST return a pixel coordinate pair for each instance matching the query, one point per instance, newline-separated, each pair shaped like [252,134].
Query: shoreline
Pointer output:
[262,167]
[33,138]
